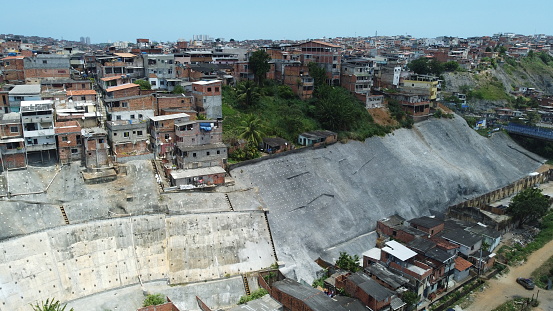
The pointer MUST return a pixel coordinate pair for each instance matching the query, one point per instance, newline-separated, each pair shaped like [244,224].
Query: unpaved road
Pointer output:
[505,287]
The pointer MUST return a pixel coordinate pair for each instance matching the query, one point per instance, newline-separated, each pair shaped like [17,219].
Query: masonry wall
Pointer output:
[15,160]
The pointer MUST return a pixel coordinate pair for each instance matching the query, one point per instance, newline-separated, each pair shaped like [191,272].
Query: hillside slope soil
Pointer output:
[328,200]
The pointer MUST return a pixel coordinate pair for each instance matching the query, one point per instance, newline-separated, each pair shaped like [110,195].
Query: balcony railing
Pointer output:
[40,147]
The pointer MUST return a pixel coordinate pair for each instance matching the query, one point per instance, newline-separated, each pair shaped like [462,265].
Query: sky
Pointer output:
[170,20]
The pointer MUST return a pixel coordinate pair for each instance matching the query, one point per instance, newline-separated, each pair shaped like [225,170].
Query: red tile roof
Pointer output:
[461,264]
[110,78]
[121,87]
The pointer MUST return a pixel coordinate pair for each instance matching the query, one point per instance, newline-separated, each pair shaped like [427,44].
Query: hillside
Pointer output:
[328,200]
[490,87]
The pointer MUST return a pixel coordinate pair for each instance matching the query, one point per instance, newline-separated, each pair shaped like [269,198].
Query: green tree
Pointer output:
[247,94]
[451,66]
[154,300]
[318,73]
[410,298]
[502,50]
[528,205]
[533,117]
[336,109]
[178,90]
[144,85]
[347,262]
[50,305]
[488,49]
[259,64]
[251,130]
[426,66]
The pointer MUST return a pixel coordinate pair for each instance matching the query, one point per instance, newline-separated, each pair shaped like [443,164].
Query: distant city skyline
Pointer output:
[106,21]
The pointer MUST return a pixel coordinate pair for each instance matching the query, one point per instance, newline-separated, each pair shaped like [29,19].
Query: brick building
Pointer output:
[166,102]
[46,66]
[68,136]
[137,107]
[163,133]
[37,119]
[12,143]
[124,90]
[367,290]
[12,69]
[326,55]
[207,95]
[128,138]
[95,148]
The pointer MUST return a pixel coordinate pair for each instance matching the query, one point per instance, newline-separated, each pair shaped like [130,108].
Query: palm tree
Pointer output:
[247,93]
[252,130]
[50,305]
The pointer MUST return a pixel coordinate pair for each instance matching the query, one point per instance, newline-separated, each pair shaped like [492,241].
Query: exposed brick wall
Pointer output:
[131,149]
[139,103]
[5,130]
[13,160]
[164,307]
[132,91]
[174,102]
[46,73]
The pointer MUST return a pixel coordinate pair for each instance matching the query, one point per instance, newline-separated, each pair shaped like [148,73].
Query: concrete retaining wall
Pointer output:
[79,260]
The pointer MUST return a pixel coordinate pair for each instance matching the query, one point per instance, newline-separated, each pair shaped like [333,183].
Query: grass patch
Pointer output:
[543,273]
[256,294]
[491,90]
[518,253]
[516,304]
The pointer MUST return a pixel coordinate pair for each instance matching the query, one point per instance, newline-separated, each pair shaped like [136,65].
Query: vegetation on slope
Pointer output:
[277,111]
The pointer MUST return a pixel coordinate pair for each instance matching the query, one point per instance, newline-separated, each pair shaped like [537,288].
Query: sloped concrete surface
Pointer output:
[328,200]
[75,261]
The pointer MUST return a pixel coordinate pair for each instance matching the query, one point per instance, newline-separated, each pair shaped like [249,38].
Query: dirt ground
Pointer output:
[505,287]
[382,116]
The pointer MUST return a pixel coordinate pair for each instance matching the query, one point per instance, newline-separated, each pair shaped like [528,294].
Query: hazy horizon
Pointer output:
[106,21]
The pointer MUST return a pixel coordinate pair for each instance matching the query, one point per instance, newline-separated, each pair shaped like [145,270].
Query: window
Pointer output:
[216,89]
[153,83]
[194,154]
[132,116]
[114,134]
[207,153]
[124,104]
[78,138]
[209,89]
[140,116]
[139,133]
[218,151]
[14,129]
[126,134]
[83,85]
[74,150]
[170,71]
[101,140]
[64,138]
[118,117]
[167,136]
[83,98]
[45,62]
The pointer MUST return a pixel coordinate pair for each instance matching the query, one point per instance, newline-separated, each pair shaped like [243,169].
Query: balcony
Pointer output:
[41,147]
[5,151]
